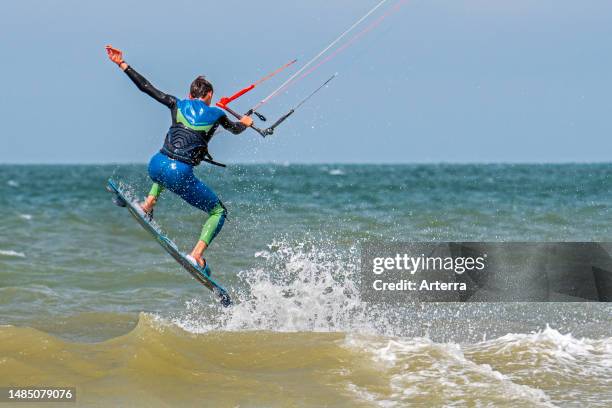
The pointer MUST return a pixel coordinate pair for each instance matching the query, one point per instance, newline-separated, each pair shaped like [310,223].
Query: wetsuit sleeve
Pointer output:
[146,87]
[234,127]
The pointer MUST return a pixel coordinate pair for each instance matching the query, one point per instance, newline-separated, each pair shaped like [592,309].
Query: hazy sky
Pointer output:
[447,80]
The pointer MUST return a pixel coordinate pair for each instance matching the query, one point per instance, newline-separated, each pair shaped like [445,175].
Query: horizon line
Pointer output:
[289,163]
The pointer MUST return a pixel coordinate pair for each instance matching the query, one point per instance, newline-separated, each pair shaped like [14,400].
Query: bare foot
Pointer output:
[197,252]
[198,259]
[148,205]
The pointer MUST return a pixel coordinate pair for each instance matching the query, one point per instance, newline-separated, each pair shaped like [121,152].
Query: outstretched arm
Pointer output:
[145,86]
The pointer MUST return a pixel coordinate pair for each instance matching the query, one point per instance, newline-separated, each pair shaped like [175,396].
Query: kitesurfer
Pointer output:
[194,122]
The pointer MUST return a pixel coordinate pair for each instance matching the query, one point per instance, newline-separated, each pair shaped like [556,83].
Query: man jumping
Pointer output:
[194,122]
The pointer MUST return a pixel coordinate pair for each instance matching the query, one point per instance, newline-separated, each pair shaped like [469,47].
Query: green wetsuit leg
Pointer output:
[212,226]
[156,190]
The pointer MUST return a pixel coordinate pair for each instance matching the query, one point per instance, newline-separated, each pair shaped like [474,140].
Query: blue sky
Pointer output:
[439,81]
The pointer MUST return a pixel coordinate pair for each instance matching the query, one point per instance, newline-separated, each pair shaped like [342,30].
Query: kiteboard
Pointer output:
[124,199]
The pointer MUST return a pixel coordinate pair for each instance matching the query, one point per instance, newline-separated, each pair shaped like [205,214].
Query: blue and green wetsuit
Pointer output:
[185,146]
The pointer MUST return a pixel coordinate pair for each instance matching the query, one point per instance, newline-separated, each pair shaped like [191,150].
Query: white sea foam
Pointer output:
[554,352]
[12,253]
[312,288]
[25,216]
[418,370]
[300,288]
[12,183]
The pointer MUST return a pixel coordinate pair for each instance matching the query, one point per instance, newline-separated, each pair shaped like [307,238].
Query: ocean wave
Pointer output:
[313,286]
[334,171]
[159,364]
[549,342]
[229,368]
[301,287]
[422,372]
[549,357]
[12,253]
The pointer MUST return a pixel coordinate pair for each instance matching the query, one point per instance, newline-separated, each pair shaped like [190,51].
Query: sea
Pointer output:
[88,299]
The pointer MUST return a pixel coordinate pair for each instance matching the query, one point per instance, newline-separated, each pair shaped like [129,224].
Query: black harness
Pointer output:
[188,145]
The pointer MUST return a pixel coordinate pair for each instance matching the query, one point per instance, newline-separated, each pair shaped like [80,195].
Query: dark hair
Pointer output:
[200,87]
